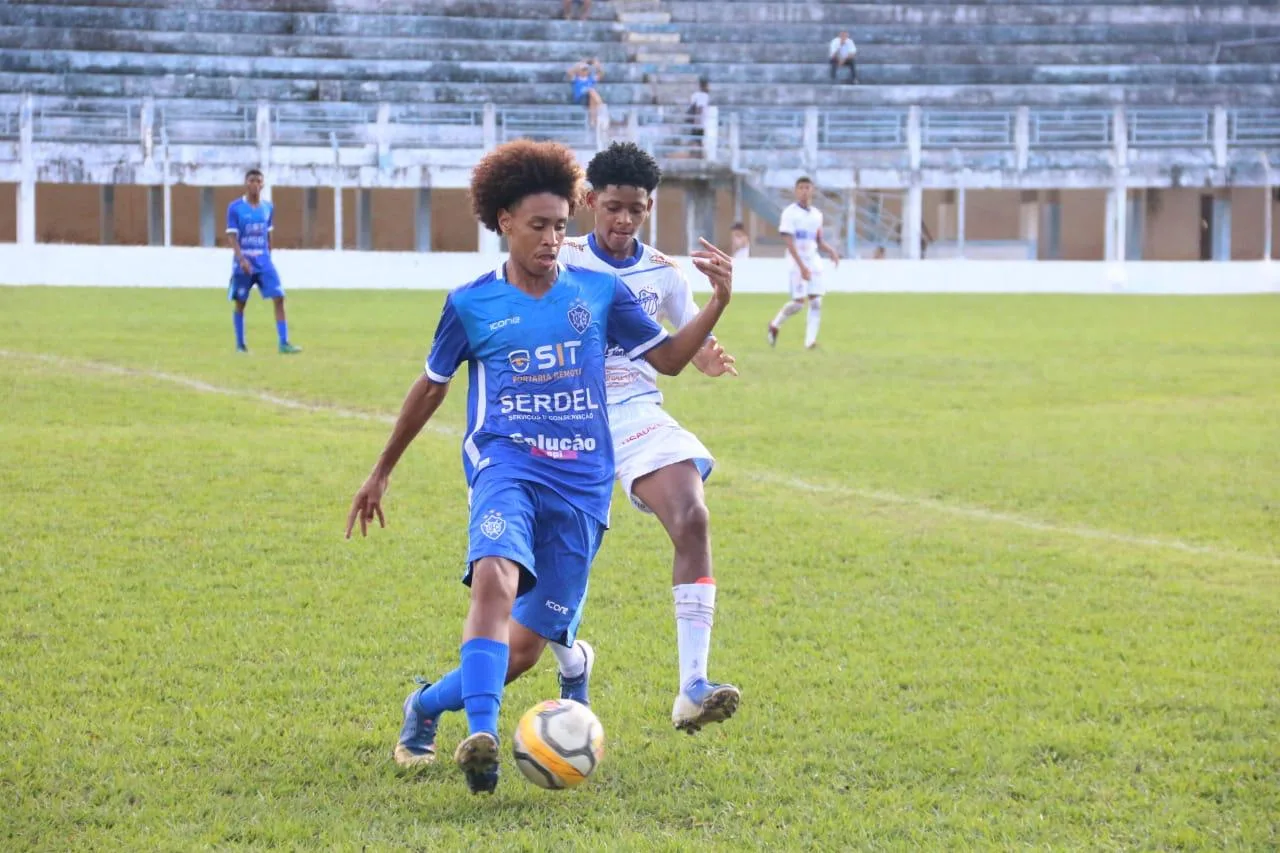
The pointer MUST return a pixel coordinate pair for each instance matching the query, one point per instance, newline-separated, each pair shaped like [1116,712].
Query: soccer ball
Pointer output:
[558,743]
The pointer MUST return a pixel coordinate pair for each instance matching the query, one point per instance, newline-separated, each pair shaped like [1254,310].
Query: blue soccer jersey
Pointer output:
[536,401]
[252,225]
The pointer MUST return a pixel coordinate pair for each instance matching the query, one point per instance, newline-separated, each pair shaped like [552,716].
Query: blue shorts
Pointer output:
[552,541]
[266,280]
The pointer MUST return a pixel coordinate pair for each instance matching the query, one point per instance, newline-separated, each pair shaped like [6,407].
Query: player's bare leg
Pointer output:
[675,494]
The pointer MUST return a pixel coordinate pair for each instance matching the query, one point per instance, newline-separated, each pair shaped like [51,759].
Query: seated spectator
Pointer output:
[879,254]
[842,51]
[583,76]
[739,242]
[568,9]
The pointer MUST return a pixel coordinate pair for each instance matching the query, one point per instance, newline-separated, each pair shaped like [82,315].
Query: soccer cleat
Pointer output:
[704,702]
[576,688]
[417,744]
[773,335]
[242,350]
[813,345]
[289,349]
[477,757]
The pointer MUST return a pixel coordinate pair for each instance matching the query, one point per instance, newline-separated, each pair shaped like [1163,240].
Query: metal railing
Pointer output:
[1151,128]
[871,129]
[314,124]
[1253,127]
[967,129]
[438,125]
[10,121]
[556,124]
[770,129]
[1071,129]
[200,123]
[88,121]
[667,132]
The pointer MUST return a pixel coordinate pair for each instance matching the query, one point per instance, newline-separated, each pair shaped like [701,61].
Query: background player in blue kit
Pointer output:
[537,451]
[250,219]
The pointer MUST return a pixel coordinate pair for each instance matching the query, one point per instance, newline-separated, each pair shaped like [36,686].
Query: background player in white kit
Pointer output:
[660,464]
[801,229]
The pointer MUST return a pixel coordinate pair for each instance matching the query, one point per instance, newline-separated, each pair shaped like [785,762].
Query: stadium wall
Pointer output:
[146,266]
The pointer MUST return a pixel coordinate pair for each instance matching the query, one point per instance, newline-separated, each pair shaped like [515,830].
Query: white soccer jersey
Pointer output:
[663,292]
[804,225]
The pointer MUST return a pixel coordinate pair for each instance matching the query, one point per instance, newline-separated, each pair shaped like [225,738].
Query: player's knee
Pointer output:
[494,582]
[815,303]
[522,658]
[691,525]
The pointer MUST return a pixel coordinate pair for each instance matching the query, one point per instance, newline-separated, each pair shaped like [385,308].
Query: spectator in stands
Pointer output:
[842,51]
[698,103]
[879,253]
[568,9]
[583,77]
[739,242]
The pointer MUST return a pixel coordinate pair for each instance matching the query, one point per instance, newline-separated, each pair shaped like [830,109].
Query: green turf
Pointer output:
[994,572]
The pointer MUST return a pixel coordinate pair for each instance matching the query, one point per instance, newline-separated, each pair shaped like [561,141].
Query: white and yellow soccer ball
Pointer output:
[558,743]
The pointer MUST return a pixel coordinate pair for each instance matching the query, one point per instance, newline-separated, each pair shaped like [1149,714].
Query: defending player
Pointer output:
[660,464]
[536,454]
[250,219]
[801,229]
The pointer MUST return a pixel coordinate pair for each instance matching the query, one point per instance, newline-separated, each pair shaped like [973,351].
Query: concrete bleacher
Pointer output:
[753,53]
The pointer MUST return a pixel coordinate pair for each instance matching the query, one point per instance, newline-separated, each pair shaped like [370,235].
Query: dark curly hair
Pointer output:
[522,168]
[624,164]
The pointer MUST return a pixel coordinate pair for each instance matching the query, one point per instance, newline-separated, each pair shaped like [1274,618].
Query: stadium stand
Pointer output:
[753,53]
[1025,92]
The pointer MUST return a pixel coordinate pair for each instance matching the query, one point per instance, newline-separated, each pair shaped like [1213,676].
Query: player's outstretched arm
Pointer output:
[677,351]
[419,405]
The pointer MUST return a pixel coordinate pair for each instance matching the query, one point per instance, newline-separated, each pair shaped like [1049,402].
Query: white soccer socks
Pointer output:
[786,311]
[695,611]
[571,659]
[813,322]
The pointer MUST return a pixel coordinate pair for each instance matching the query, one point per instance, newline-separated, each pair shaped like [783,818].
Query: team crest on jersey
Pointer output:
[493,524]
[519,360]
[579,316]
[648,301]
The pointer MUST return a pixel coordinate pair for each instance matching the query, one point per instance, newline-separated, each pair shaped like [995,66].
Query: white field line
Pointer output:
[769,477]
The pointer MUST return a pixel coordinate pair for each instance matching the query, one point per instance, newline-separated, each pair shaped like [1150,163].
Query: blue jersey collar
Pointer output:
[609,259]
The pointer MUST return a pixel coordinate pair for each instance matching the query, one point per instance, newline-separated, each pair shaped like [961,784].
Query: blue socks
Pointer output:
[282,330]
[483,671]
[444,695]
[238,319]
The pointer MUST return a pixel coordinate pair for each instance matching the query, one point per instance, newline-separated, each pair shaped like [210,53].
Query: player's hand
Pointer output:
[835,259]
[245,266]
[367,504]
[717,267]
[805,274]
[712,360]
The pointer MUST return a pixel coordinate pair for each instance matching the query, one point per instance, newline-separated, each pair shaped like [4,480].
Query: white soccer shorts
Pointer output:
[646,439]
[801,288]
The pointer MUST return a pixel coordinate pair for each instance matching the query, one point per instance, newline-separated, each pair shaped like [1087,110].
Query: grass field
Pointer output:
[994,572]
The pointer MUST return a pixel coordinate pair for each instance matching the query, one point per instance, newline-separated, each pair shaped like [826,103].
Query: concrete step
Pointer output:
[636,7]
[652,38]
[644,17]
[663,46]
[685,78]
[662,59]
